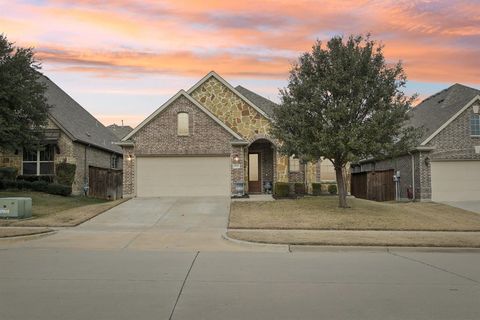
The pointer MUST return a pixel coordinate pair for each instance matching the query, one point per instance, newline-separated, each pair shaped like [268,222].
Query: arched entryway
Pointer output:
[260,166]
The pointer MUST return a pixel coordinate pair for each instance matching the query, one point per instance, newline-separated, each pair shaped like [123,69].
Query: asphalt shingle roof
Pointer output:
[77,121]
[434,111]
[263,103]
[120,131]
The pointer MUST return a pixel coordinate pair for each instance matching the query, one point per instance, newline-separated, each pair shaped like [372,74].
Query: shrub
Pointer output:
[299,188]
[8,173]
[332,189]
[2,185]
[65,173]
[47,179]
[316,189]
[10,184]
[39,185]
[24,184]
[282,189]
[59,189]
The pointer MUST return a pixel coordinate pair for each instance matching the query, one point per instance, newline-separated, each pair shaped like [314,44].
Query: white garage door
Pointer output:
[183,176]
[455,180]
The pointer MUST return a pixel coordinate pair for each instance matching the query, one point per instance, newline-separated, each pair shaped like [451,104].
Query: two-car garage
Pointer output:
[182,176]
[455,180]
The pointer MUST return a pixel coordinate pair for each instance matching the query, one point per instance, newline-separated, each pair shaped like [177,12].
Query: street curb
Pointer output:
[337,248]
[28,237]
[286,247]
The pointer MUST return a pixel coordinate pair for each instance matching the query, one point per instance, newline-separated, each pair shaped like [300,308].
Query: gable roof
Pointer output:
[170,101]
[229,86]
[75,121]
[119,131]
[263,103]
[435,112]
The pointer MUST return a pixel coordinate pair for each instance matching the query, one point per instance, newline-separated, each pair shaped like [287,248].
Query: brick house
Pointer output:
[210,140]
[445,166]
[72,135]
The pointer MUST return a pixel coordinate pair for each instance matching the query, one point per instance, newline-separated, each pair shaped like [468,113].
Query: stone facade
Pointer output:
[159,136]
[231,109]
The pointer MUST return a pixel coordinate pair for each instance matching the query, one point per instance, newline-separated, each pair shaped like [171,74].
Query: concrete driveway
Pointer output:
[172,224]
[473,206]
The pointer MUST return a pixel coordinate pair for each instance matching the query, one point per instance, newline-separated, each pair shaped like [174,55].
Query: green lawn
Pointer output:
[319,213]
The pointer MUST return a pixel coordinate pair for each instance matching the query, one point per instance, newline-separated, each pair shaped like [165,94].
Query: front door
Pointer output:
[254,181]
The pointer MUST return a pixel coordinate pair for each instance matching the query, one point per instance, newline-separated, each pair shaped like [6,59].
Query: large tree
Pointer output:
[23,106]
[344,102]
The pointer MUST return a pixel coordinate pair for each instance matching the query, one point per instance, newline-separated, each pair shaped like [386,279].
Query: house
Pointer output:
[445,166]
[210,140]
[75,136]
[119,131]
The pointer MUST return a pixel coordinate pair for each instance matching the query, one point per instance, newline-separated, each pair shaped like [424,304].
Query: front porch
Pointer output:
[260,165]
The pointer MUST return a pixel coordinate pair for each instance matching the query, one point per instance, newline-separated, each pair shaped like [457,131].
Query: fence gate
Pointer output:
[375,185]
[105,183]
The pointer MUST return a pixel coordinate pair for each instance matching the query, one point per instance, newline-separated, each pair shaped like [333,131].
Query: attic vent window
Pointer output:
[182,124]
[440,101]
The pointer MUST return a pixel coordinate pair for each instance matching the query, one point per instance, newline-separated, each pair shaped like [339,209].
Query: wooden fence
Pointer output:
[105,183]
[375,185]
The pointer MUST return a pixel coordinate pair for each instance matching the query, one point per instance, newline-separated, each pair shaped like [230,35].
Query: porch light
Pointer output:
[236,158]
[129,157]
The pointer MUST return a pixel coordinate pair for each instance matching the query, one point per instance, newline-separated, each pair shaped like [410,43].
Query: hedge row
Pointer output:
[282,189]
[39,185]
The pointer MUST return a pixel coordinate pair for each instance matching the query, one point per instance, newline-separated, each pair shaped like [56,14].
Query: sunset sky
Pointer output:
[122,59]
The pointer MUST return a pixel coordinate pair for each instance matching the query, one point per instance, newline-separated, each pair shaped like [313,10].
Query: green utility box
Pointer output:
[19,208]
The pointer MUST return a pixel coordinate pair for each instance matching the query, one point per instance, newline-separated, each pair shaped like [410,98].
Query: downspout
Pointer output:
[413,175]
[85,185]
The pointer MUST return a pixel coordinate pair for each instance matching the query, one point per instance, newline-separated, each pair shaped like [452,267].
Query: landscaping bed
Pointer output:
[58,211]
[322,213]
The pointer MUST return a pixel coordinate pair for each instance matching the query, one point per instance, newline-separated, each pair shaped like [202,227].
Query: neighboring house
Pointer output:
[210,140]
[120,131]
[445,166]
[72,135]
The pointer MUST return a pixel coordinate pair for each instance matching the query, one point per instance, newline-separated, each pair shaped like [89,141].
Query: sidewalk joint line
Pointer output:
[183,285]
[432,266]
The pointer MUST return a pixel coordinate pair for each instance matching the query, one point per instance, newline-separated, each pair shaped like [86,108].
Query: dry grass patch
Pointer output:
[57,211]
[360,238]
[16,232]
[323,213]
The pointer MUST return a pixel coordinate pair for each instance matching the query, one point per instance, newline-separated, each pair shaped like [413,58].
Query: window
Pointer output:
[114,161]
[294,164]
[182,124]
[39,162]
[475,125]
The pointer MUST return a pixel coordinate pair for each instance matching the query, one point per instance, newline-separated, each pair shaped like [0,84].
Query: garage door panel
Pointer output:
[455,180]
[183,176]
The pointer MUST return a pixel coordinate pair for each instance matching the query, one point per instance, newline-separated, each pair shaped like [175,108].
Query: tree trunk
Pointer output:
[342,190]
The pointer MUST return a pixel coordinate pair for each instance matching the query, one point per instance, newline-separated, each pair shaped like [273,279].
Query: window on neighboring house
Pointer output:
[475,125]
[114,161]
[294,164]
[182,124]
[39,162]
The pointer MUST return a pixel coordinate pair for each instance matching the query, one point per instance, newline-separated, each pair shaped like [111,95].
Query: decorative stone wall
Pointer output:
[231,109]
[128,172]
[282,168]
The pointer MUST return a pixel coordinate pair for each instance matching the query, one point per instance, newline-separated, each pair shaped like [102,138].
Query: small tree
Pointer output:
[23,106]
[343,102]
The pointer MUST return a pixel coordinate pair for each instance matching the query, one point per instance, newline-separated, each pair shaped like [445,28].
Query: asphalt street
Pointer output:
[166,259]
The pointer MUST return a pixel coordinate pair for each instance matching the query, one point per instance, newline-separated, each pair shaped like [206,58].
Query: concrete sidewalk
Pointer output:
[359,238]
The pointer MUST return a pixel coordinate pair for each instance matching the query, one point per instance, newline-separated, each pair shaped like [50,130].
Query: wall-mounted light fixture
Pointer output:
[236,158]
[129,157]
[427,161]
